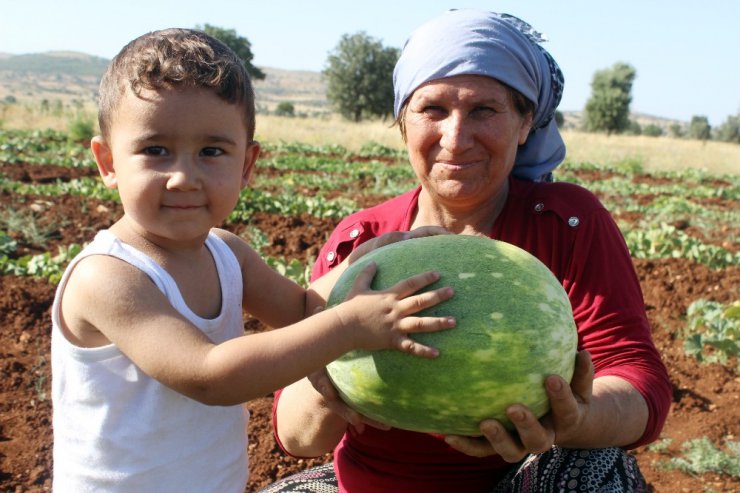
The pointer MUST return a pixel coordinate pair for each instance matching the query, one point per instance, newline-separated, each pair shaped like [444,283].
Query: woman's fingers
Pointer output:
[323,385]
[472,446]
[532,436]
[582,382]
[363,280]
[428,231]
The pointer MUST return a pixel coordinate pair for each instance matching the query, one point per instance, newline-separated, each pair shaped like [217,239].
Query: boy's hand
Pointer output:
[383,319]
[394,237]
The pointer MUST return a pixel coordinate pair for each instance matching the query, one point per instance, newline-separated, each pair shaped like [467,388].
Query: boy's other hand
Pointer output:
[384,319]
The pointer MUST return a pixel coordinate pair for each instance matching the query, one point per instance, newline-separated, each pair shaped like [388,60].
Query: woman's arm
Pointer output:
[305,426]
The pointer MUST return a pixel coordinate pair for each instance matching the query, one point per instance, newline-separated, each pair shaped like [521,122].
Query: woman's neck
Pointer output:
[473,219]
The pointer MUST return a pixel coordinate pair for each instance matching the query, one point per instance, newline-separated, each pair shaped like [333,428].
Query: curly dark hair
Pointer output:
[173,58]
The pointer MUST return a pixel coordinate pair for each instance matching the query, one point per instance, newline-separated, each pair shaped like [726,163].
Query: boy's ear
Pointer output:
[250,158]
[104,159]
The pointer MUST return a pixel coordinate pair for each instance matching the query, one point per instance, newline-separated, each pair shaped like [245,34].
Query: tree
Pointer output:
[559,119]
[285,108]
[729,131]
[652,130]
[634,128]
[241,46]
[699,128]
[676,130]
[608,108]
[359,77]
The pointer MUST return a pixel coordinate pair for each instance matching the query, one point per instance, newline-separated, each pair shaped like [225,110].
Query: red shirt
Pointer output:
[567,228]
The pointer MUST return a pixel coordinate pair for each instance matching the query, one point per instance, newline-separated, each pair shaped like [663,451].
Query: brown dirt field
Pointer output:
[705,397]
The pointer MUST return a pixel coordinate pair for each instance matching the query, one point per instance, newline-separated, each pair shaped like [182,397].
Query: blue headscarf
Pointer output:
[500,46]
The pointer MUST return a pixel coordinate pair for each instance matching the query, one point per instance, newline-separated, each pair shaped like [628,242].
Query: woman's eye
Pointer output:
[155,151]
[212,151]
[433,109]
[483,110]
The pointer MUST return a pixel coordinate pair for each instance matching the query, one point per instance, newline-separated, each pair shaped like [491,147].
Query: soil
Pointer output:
[705,396]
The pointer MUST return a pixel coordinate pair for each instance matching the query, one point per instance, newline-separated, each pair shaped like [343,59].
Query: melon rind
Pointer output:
[514,327]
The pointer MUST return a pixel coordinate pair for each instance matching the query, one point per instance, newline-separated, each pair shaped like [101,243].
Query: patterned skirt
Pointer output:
[609,470]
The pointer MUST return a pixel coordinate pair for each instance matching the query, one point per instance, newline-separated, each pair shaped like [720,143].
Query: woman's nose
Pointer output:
[456,133]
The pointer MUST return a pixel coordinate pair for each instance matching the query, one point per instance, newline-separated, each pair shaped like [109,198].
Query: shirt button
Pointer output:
[539,207]
[573,221]
[330,256]
[354,233]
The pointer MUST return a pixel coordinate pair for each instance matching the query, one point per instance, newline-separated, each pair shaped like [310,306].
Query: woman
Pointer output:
[475,96]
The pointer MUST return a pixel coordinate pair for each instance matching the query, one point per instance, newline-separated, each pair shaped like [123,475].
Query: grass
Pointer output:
[328,130]
[25,224]
[654,154]
[646,153]
[26,115]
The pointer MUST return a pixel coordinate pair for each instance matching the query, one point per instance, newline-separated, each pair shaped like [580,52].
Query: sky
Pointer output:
[686,53]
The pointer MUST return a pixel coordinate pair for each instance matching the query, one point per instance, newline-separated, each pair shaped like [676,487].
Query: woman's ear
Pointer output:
[250,158]
[525,128]
[104,159]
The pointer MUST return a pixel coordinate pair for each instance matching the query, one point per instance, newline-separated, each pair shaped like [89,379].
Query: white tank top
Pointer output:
[118,430]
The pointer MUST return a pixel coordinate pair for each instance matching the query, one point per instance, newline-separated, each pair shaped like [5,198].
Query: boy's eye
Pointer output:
[155,151]
[211,151]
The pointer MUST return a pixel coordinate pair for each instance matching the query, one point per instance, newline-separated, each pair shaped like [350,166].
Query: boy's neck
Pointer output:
[163,250]
[190,264]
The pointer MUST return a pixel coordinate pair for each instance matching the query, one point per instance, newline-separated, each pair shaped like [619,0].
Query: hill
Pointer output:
[72,78]
[68,77]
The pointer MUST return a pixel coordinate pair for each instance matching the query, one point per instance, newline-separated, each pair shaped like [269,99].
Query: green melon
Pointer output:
[514,327]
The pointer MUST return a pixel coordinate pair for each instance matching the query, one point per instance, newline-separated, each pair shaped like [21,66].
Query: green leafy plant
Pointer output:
[374,149]
[665,241]
[292,269]
[43,265]
[7,244]
[25,224]
[701,456]
[660,446]
[713,331]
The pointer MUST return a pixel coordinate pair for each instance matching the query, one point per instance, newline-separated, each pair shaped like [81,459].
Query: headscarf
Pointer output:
[500,46]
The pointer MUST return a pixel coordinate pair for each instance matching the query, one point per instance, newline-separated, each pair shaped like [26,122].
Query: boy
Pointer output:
[149,360]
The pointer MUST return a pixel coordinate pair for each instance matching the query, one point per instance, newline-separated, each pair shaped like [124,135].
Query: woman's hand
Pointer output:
[570,405]
[394,237]
[323,385]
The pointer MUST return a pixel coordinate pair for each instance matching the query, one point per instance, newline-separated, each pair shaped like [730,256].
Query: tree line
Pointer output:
[359,80]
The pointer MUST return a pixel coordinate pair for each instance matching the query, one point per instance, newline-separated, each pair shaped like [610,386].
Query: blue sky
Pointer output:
[685,53]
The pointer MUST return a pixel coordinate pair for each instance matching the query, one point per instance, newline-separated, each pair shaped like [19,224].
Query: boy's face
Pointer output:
[179,158]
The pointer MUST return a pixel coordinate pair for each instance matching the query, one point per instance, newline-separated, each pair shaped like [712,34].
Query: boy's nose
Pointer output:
[183,175]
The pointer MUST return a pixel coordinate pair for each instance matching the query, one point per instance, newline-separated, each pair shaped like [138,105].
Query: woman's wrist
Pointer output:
[616,416]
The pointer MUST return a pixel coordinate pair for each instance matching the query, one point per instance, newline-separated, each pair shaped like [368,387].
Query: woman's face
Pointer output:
[462,135]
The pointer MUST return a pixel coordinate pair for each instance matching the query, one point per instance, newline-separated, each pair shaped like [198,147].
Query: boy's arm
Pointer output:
[268,296]
[135,316]
[278,301]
